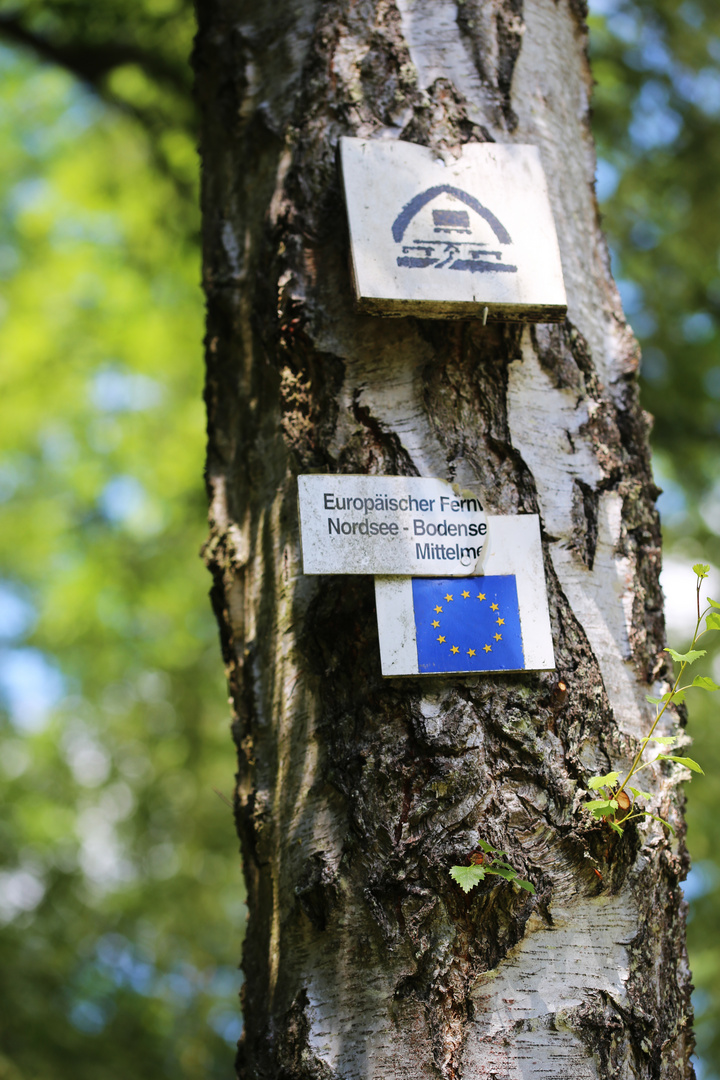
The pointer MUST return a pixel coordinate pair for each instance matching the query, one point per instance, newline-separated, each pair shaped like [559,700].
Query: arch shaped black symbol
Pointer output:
[409,211]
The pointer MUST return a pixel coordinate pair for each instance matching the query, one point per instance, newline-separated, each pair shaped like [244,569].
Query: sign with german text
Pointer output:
[472,235]
[389,525]
[496,621]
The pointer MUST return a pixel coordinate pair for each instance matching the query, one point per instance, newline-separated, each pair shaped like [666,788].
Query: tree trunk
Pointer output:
[356,794]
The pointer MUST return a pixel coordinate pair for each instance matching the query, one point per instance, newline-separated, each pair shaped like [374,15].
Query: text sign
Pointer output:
[496,621]
[389,525]
[434,239]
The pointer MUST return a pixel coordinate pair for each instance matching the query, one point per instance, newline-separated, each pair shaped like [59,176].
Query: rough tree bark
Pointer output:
[356,794]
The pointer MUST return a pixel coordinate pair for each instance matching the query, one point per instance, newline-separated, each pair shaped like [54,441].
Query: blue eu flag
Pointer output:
[467,624]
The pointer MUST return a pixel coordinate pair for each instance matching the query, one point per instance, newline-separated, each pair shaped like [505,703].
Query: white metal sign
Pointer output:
[496,621]
[434,239]
[389,525]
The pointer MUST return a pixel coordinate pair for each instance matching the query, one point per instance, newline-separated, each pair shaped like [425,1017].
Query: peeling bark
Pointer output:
[356,794]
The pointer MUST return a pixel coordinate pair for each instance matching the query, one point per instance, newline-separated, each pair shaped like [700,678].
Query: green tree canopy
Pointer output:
[120,891]
[657,122]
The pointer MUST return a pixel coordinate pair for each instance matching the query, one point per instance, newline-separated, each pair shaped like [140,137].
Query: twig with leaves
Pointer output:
[488,860]
[618,804]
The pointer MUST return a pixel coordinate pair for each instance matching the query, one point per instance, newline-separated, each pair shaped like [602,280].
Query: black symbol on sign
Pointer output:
[475,254]
[452,220]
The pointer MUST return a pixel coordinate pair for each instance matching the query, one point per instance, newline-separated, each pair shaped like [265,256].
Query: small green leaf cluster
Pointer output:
[494,862]
[618,802]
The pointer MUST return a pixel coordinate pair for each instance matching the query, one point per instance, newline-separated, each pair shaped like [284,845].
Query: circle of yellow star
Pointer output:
[498,637]
[500,622]
[435,623]
[454,649]
[448,597]
[471,652]
[494,607]
[441,638]
[481,596]
[487,648]
[466,594]
[438,609]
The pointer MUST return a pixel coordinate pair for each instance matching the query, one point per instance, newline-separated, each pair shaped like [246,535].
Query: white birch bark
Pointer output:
[355,795]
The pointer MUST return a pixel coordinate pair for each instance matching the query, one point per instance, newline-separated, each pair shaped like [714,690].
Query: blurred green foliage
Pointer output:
[120,892]
[120,889]
[657,125]
[133,56]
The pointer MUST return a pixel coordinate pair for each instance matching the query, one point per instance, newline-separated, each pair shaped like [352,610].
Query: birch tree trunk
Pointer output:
[355,795]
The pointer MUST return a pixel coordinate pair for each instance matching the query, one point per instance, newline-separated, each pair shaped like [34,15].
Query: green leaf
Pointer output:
[686,761]
[509,874]
[487,848]
[701,569]
[660,819]
[688,657]
[601,808]
[653,700]
[512,875]
[609,780]
[713,602]
[664,740]
[467,877]
[525,884]
[639,794]
[705,683]
[713,621]
[614,825]
[646,813]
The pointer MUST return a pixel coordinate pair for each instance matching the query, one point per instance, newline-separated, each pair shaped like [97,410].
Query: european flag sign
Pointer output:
[497,620]
[467,624]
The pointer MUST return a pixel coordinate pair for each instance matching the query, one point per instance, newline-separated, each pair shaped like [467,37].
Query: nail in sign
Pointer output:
[434,239]
[389,525]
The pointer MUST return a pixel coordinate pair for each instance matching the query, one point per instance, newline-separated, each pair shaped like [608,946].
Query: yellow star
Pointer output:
[435,623]
[498,637]
[500,622]
[441,638]
[466,594]
[471,652]
[493,607]
[438,609]
[448,597]
[454,649]
[487,648]
[481,596]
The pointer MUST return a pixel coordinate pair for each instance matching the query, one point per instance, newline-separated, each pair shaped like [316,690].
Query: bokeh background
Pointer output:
[121,898]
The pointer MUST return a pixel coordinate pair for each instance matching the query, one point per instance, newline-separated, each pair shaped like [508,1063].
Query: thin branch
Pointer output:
[93,62]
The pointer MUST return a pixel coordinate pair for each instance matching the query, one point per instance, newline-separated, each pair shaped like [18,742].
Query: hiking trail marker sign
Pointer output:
[389,525]
[456,591]
[474,237]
